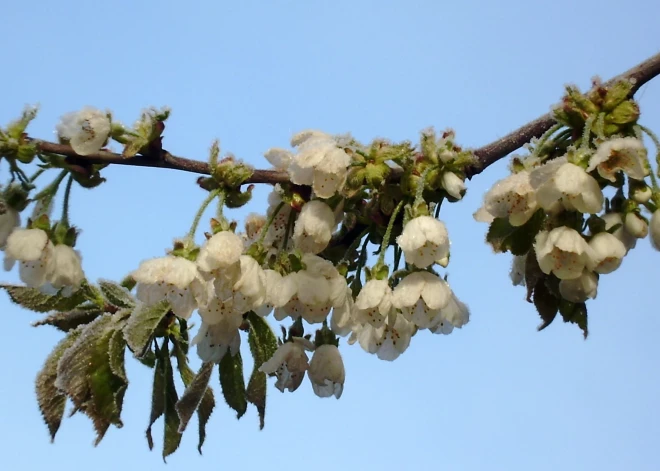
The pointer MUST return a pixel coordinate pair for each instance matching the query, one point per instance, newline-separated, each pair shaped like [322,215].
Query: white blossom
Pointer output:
[579,289]
[373,303]
[512,198]
[314,227]
[561,180]
[342,322]
[642,194]
[387,341]
[219,252]
[626,153]
[86,130]
[65,269]
[34,250]
[173,278]
[326,371]
[420,296]
[319,288]
[213,341]
[277,229]
[562,251]
[608,252]
[616,219]
[517,273]
[455,312]
[10,219]
[289,363]
[424,240]
[453,184]
[319,163]
[279,158]
[655,229]
[635,225]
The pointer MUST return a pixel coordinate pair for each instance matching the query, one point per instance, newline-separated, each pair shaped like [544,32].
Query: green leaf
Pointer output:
[192,396]
[142,324]
[263,345]
[116,294]
[232,382]
[172,437]
[504,237]
[206,406]
[94,381]
[51,400]
[575,313]
[546,303]
[69,320]
[533,273]
[157,392]
[163,402]
[35,300]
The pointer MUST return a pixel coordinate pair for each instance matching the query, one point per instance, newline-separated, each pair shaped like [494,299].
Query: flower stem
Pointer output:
[656,143]
[287,230]
[51,189]
[388,233]
[37,174]
[269,223]
[200,212]
[65,204]
[586,132]
[419,194]
[546,135]
[354,244]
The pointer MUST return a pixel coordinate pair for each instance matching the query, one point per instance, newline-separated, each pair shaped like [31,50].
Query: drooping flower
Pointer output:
[319,163]
[289,363]
[319,288]
[453,184]
[635,225]
[373,303]
[219,252]
[387,341]
[562,251]
[86,130]
[616,219]
[655,229]
[512,198]
[455,315]
[420,296]
[517,273]
[579,289]
[34,250]
[608,252]
[65,269]
[277,229]
[342,321]
[625,153]
[314,226]
[213,341]
[173,278]
[326,371]
[423,241]
[10,219]
[561,180]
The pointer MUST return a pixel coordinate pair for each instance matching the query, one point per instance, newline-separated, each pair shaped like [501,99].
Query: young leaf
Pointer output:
[116,294]
[172,436]
[157,392]
[35,300]
[206,406]
[575,313]
[69,320]
[263,344]
[232,382]
[192,396]
[51,400]
[546,303]
[85,374]
[142,324]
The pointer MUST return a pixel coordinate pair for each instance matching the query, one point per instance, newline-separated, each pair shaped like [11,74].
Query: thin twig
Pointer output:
[487,155]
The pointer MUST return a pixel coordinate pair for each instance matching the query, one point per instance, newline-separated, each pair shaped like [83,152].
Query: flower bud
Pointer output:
[636,225]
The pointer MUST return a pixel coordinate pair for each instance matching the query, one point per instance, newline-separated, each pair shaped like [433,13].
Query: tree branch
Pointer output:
[487,155]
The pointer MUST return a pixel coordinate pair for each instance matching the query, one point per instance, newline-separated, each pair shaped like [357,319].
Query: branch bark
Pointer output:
[487,155]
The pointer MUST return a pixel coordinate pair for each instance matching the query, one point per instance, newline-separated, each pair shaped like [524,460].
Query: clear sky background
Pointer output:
[495,395]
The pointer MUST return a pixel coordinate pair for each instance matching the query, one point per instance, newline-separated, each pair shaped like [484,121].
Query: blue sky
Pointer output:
[494,395]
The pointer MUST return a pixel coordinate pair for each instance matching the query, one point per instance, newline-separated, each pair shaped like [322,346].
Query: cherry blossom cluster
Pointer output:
[575,206]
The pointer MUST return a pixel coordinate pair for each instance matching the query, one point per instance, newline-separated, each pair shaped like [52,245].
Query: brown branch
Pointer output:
[487,155]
